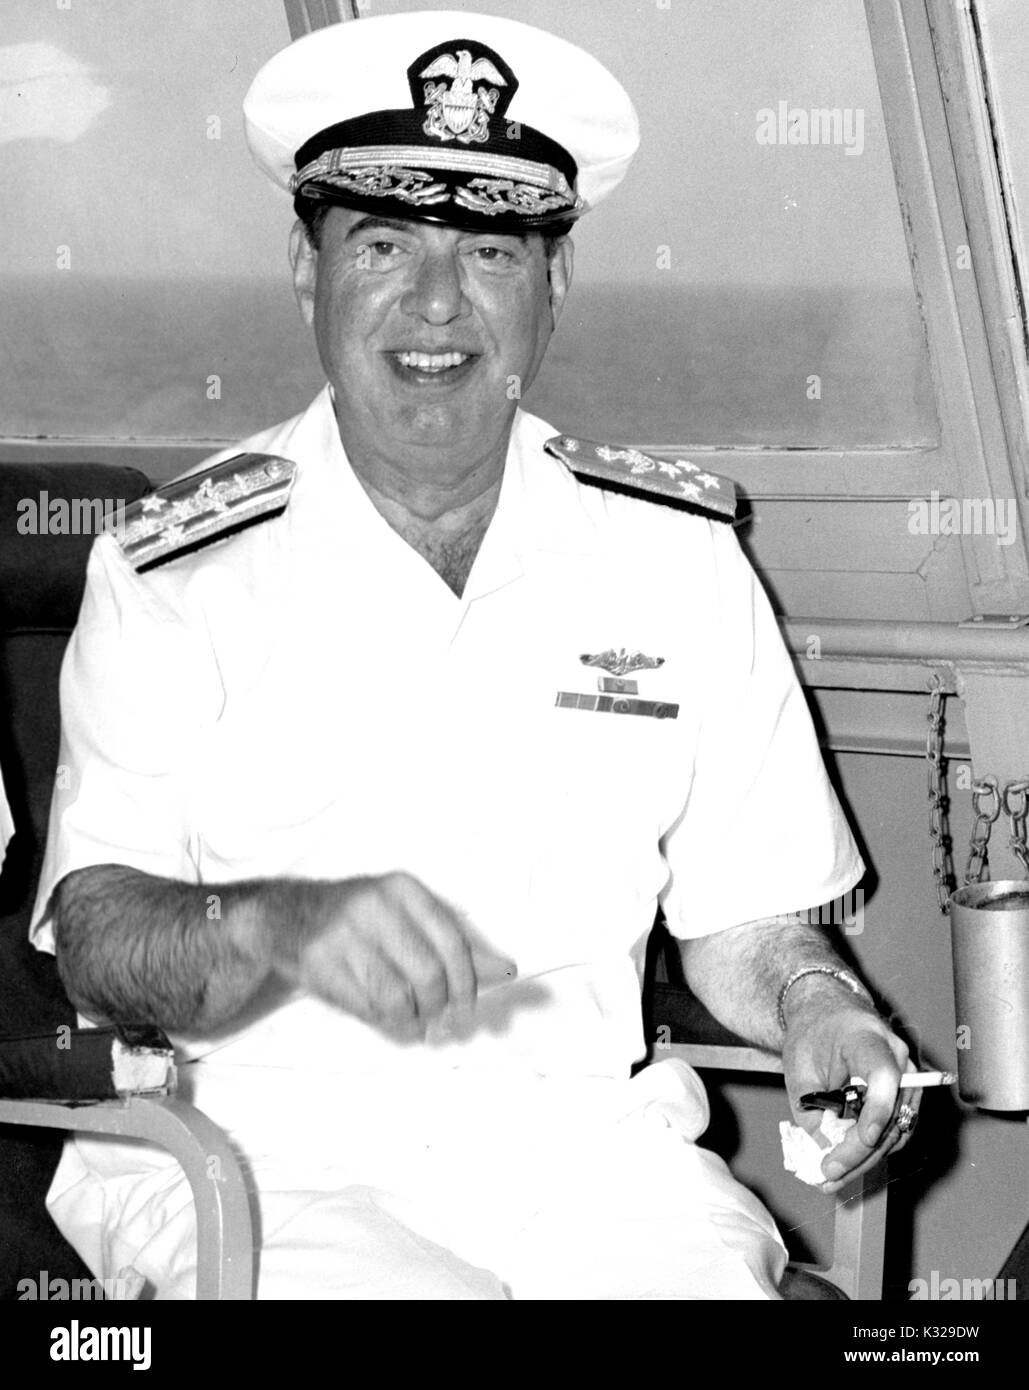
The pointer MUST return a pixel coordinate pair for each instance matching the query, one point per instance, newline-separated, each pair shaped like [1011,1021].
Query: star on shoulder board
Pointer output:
[676,481]
[197,510]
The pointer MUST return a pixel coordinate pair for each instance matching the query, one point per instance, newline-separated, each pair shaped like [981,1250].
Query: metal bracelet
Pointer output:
[846,977]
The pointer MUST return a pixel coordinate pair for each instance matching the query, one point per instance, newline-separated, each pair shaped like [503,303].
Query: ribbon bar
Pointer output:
[616,704]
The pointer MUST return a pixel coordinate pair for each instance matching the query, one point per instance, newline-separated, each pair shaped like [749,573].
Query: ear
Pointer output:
[304,260]
[560,276]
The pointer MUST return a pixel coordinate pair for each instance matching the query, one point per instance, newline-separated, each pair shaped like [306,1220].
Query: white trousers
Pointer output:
[508,1193]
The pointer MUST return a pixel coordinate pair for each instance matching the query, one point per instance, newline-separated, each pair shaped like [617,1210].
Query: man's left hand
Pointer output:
[827,1043]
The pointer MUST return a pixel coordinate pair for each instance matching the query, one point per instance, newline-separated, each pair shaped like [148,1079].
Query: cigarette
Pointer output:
[927,1078]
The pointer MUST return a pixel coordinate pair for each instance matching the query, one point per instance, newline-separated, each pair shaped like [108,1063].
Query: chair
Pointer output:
[42,573]
[41,583]
[684,1028]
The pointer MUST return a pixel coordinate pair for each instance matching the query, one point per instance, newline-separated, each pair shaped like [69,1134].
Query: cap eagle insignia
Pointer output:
[460,112]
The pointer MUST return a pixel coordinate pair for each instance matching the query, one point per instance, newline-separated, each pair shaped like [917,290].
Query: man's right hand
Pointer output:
[386,950]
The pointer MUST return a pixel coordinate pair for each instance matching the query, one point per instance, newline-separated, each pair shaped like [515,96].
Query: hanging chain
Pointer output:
[939,833]
[986,803]
[1016,807]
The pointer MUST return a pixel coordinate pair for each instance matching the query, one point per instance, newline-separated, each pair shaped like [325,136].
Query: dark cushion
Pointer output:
[30,668]
[42,576]
[672,1013]
[42,572]
[676,1015]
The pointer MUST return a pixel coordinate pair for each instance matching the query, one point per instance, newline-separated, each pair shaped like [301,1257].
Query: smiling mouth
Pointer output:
[431,363]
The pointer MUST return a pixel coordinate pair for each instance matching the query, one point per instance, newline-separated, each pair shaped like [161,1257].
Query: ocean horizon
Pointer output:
[92,357]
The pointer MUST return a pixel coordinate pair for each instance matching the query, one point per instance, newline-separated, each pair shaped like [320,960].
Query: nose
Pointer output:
[436,293]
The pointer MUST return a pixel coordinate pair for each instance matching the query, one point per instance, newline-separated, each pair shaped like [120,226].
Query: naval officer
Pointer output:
[388,737]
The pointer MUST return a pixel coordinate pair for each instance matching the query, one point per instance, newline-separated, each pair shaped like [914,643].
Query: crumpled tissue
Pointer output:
[803,1154]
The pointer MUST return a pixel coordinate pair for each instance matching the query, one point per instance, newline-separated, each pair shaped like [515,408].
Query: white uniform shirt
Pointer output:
[308,698]
[6,822]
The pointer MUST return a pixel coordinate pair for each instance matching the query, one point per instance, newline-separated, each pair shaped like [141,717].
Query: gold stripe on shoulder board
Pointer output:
[678,480]
[193,511]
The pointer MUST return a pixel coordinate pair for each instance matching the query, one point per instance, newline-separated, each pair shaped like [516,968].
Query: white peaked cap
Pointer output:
[463,118]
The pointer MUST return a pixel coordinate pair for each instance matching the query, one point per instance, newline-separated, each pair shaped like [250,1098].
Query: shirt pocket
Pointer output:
[610,784]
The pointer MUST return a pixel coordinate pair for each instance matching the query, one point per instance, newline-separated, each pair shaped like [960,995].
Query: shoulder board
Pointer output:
[675,481]
[192,512]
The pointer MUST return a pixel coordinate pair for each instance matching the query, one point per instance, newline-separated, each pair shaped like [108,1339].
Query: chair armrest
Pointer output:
[225,1252]
[859,1228]
[67,1064]
[68,1079]
[679,1025]
[682,1027]
[724,1058]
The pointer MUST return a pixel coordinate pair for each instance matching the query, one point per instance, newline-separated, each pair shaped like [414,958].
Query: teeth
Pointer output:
[432,362]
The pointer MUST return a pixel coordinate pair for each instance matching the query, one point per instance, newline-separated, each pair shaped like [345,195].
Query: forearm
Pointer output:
[134,947]
[739,974]
[386,949]
[832,1033]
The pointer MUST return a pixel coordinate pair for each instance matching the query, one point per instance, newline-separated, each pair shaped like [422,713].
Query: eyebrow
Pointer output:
[397,224]
[372,223]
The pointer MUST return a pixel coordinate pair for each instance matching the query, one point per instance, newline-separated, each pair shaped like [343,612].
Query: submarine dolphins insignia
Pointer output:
[458,112]
[621,662]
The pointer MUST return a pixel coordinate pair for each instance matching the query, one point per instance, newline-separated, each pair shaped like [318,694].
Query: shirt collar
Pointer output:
[540,509]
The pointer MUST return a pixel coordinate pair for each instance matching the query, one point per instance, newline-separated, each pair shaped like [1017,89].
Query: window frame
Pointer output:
[934,96]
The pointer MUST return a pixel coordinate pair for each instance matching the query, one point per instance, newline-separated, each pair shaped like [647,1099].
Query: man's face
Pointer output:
[429,334]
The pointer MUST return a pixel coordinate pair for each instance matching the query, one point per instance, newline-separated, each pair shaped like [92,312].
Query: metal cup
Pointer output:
[990,935]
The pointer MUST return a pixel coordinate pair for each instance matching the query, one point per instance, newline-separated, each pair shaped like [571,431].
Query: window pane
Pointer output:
[1005,41]
[730,292]
[143,269]
[726,273]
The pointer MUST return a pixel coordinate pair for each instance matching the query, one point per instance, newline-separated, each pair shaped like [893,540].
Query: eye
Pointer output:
[493,255]
[376,254]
